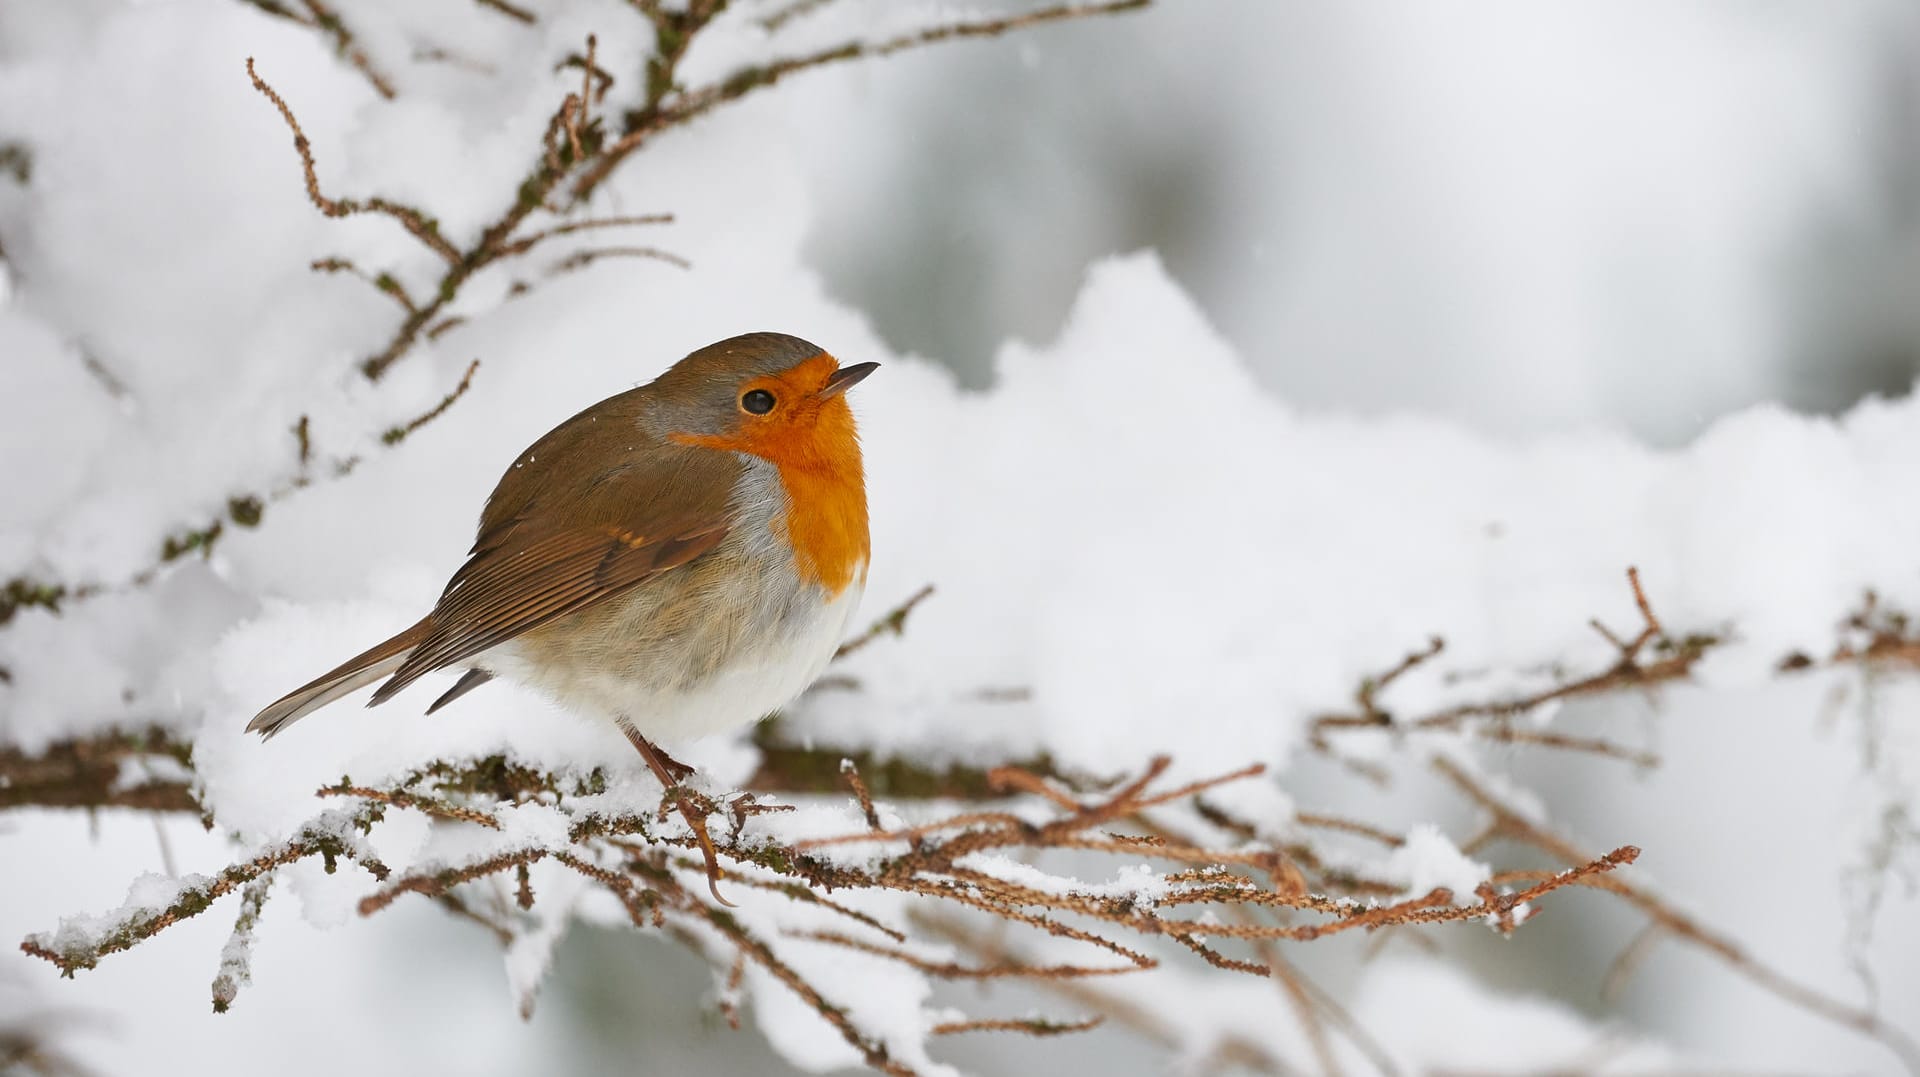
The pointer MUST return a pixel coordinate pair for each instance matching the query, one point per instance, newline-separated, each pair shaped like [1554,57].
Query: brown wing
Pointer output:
[557,538]
[524,584]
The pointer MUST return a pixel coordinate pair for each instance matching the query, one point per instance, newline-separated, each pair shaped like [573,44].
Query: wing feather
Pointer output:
[526,582]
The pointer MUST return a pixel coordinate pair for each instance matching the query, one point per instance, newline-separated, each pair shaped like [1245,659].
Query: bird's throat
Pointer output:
[817,455]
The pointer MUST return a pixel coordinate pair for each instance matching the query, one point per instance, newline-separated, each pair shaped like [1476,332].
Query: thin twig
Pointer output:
[1514,824]
[396,435]
[511,11]
[691,105]
[894,622]
[418,224]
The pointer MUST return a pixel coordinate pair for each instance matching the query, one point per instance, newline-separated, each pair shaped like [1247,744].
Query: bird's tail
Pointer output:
[356,672]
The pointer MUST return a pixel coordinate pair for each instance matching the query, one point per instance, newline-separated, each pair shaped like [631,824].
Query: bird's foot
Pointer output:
[697,822]
[672,773]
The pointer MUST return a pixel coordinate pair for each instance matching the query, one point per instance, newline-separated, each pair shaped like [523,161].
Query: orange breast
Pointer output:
[814,445]
[826,521]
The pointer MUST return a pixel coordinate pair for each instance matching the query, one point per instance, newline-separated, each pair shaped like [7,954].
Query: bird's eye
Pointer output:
[757,402]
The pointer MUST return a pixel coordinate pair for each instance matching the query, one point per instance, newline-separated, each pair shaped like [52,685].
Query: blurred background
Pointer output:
[1518,215]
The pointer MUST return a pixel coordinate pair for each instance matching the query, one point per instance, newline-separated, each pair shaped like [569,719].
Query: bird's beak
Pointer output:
[845,378]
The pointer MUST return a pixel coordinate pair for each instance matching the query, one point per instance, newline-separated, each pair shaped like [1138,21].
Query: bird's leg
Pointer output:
[658,759]
[672,773]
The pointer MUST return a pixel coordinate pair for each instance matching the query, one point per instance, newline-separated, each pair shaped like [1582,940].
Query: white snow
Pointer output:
[1428,860]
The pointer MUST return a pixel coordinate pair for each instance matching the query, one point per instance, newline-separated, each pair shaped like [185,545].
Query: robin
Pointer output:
[681,559]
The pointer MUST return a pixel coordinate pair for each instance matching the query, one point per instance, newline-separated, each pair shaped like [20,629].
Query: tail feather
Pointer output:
[474,678]
[357,672]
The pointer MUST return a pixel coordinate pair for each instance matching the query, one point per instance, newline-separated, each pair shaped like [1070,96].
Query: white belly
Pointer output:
[738,693]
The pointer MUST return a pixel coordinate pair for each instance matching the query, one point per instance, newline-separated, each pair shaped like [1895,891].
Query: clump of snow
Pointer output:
[1427,860]
[1433,1017]
[530,954]
[236,957]
[148,895]
[1133,882]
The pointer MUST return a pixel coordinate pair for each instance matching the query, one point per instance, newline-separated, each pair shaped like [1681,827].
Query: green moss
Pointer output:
[17,161]
[200,542]
[532,191]
[245,511]
[20,593]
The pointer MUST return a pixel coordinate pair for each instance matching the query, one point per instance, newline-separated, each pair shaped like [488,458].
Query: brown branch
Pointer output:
[385,283]
[1031,1026]
[659,115]
[327,19]
[774,21]
[322,17]
[1373,686]
[452,903]
[951,970]
[894,621]
[86,773]
[1350,826]
[398,434]
[584,258]
[438,882]
[655,881]
[1673,660]
[418,224]
[527,243]
[1549,739]
[511,11]
[852,774]
[1513,824]
[1153,1026]
[578,118]
[137,926]
[1293,984]
[871,1050]
[402,799]
[1890,635]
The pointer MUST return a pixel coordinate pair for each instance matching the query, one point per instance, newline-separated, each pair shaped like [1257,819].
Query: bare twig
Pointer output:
[511,11]
[1031,1026]
[418,224]
[400,433]
[584,258]
[386,283]
[402,799]
[322,839]
[660,114]
[1513,824]
[852,774]
[1672,660]
[527,243]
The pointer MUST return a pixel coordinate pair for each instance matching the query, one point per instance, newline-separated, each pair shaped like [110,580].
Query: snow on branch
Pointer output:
[948,869]
[971,859]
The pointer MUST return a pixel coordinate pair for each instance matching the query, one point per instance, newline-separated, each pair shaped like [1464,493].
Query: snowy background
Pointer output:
[1230,350]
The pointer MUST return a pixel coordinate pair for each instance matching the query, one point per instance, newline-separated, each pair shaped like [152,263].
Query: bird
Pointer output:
[680,559]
